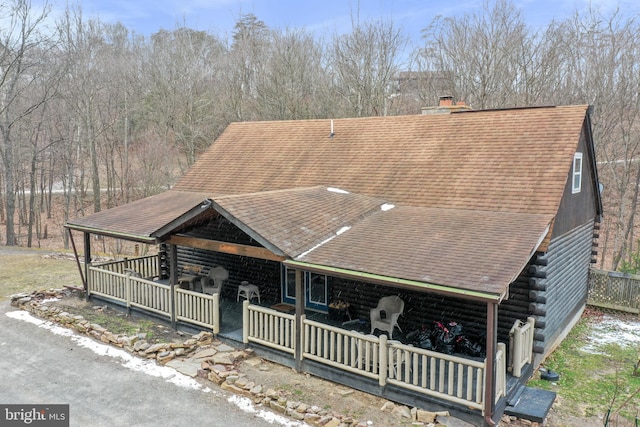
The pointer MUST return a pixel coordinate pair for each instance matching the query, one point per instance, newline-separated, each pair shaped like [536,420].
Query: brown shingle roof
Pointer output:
[506,160]
[295,220]
[142,219]
[474,192]
[470,250]
[479,251]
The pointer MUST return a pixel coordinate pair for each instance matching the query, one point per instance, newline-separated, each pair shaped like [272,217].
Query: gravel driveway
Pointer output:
[45,364]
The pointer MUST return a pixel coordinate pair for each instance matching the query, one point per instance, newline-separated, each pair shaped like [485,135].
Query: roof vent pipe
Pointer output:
[331,134]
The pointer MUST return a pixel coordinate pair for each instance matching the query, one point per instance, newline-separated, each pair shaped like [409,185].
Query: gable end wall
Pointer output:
[580,208]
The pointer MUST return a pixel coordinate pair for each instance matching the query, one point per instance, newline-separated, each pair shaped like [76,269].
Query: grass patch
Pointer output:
[591,379]
[120,324]
[27,272]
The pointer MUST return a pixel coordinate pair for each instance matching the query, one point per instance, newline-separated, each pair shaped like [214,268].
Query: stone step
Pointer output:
[533,404]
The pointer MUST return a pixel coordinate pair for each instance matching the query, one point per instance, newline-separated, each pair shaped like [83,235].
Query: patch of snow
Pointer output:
[387,207]
[316,246]
[337,190]
[343,230]
[611,330]
[339,232]
[150,367]
[245,404]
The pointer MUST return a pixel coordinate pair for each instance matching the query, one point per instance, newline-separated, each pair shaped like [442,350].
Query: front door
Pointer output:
[316,289]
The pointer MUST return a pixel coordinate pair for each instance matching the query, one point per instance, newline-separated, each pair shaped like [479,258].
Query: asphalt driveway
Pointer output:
[104,386]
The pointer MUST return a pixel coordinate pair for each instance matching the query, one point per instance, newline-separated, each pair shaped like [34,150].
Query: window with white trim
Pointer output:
[577,173]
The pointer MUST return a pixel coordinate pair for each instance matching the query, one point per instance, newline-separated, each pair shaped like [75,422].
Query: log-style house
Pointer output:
[482,222]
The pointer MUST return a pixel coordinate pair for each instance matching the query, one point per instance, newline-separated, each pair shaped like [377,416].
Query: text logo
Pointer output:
[34,415]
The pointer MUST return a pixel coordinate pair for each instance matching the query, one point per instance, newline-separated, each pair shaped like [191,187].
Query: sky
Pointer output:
[319,17]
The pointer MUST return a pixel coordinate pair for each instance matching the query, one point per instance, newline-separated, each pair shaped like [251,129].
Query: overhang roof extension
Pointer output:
[146,220]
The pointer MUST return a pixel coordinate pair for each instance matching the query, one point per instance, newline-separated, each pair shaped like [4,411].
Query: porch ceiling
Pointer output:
[144,220]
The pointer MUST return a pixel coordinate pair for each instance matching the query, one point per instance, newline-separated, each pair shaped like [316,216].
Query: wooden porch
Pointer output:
[343,353]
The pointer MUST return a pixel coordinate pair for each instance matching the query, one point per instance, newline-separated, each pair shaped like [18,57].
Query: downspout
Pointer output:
[490,382]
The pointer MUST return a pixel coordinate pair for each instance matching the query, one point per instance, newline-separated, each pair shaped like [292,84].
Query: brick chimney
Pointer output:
[446,101]
[445,106]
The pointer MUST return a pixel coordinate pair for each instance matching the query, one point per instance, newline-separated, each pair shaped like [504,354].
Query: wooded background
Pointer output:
[93,115]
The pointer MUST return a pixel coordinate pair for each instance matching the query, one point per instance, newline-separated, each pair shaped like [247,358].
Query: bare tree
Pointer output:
[293,79]
[21,47]
[364,63]
[486,59]
[601,67]
[183,99]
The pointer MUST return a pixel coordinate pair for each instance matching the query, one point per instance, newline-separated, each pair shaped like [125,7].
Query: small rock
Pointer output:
[254,361]
[141,345]
[276,406]
[222,359]
[402,411]
[155,348]
[204,353]
[271,393]
[165,356]
[311,418]
[388,407]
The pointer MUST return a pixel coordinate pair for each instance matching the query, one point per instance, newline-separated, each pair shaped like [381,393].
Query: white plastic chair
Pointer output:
[212,282]
[392,307]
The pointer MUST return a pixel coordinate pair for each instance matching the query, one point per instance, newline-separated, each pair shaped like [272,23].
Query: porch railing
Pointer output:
[348,350]
[152,296]
[440,375]
[268,327]
[443,376]
[114,281]
[501,371]
[521,343]
[146,266]
[198,308]
[108,283]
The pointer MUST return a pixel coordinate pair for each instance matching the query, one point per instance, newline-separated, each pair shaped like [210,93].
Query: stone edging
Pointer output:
[203,356]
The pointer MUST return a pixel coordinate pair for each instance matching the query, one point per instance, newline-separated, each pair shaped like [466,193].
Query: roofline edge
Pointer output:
[377,278]
[125,236]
